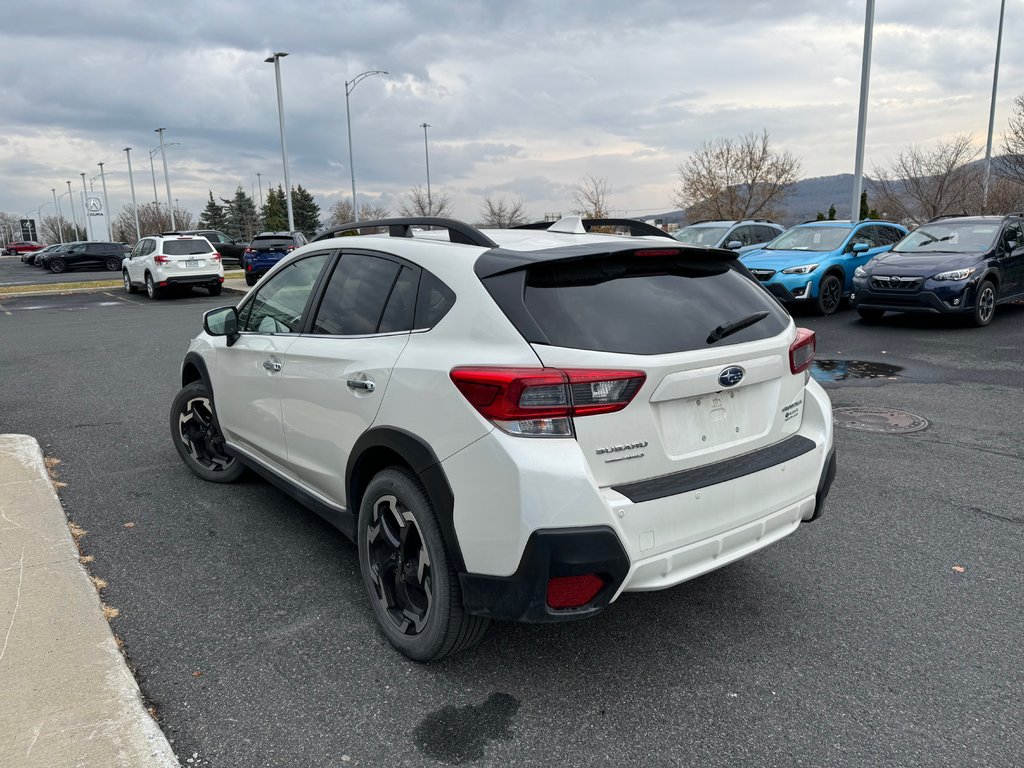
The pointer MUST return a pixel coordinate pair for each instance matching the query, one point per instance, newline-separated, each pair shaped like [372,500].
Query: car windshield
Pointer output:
[700,235]
[950,237]
[186,247]
[809,238]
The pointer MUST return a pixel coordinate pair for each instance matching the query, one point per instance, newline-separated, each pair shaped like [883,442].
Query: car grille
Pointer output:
[764,275]
[895,283]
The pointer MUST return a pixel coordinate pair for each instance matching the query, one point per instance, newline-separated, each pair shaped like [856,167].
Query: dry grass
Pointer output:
[99,583]
[86,559]
[51,463]
[15,290]
[109,612]
[77,531]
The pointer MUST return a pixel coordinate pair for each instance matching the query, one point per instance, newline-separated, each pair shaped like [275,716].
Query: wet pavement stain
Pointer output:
[457,735]
[846,370]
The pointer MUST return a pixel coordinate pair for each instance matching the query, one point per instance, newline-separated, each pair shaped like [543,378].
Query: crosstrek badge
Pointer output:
[792,411]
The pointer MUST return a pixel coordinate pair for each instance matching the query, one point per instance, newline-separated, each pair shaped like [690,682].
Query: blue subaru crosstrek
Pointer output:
[813,263]
[266,249]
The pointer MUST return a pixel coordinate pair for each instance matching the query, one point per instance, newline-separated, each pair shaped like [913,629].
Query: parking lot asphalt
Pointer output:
[886,633]
[13,272]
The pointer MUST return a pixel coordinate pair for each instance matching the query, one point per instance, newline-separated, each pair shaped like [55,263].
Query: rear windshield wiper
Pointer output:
[736,325]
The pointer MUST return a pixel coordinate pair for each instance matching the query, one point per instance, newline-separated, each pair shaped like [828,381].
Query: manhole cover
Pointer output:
[878,420]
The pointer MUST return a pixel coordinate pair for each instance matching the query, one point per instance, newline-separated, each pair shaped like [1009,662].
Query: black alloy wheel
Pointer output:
[57,266]
[197,436]
[413,587]
[112,264]
[830,294]
[984,304]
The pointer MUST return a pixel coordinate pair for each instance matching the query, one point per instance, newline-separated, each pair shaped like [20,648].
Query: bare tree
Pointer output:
[738,178]
[416,202]
[590,198]
[341,212]
[920,184]
[1011,164]
[502,212]
[152,221]
[59,229]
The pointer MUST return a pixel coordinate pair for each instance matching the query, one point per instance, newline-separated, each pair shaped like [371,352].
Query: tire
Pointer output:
[413,588]
[128,287]
[57,266]
[112,264]
[830,295]
[870,315]
[984,304]
[152,290]
[215,289]
[197,437]
[250,280]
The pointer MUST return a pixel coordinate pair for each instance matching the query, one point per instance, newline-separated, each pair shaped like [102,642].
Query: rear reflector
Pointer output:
[540,402]
[801,351]
[573,591]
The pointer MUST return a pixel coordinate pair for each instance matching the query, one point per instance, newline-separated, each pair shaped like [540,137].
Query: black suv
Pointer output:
[953,264]
[86,255]
[230,250]
[266,249]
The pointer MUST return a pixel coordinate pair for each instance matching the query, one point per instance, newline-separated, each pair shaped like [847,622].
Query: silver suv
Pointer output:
[739,236]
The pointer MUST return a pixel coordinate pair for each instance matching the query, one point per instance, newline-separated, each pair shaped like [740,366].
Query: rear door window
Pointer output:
[356,296]
[646,306]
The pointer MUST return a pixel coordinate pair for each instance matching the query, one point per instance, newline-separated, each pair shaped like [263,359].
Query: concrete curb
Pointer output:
[69,697]
[233,285]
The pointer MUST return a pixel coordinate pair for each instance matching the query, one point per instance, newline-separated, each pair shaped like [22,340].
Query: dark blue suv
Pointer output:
[266,249]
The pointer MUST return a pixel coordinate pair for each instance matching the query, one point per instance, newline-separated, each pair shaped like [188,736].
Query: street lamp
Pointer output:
[862,119]
[85,209]
[131,182]
[350,85]
[152,171]
[992,112]
[167,179]
[259,180]
[426,152]
[106,205]
[60,216]
[71,202]
[275,59]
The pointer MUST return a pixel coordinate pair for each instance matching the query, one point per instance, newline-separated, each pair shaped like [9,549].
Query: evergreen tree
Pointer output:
[865,212]
[240,218]
[274,213]
[212,216]
[832,212]
[306,211]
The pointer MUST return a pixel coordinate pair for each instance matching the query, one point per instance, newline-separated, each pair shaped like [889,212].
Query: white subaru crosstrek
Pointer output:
[514,424]
[162,262]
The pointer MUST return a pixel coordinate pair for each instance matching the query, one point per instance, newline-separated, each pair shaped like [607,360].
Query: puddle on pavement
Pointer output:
[848,370]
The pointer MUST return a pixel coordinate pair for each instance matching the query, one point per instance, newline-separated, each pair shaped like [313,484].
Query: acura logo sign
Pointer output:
[731,376]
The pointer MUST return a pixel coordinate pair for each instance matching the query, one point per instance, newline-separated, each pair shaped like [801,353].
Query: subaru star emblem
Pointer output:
[731,376]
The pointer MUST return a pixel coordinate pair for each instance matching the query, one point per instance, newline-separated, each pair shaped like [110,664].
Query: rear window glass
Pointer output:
[186,247]
[646,306]
[272,242]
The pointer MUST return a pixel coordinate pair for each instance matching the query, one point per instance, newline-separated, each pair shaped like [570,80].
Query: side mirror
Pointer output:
[222,322]
[860,247]
[732,245]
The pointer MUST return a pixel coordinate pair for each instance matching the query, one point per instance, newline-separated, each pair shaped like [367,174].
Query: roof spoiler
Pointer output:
[577,225]
[458,231]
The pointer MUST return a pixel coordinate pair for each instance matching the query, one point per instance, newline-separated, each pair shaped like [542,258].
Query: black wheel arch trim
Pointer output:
[422,460]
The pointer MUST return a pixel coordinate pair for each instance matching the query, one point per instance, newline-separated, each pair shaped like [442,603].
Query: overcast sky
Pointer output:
[523,97]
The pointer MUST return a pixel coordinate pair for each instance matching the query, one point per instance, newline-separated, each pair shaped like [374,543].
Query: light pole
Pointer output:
[862,119]
[275,59]
[71,202]
[167,179]
[106,205]
[131,182]
[350,85]
[85,209]
[426,153]
[259,180]
[60,216]
[152,154]
[992,112]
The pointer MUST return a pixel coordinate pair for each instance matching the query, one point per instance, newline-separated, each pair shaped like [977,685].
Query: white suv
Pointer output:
[514,424]
[161,262]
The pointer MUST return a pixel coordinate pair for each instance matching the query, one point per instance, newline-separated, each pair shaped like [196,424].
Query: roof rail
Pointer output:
[636,228]
[951,216]
[458,231]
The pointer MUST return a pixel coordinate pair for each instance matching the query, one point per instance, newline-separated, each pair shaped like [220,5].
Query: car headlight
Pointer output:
[803,269]
[955,274]
[860,272]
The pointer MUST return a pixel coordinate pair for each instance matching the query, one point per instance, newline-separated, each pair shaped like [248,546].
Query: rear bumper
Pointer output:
[176,280]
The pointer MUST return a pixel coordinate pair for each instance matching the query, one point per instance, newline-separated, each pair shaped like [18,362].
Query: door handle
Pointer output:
[272,365]
[365,385]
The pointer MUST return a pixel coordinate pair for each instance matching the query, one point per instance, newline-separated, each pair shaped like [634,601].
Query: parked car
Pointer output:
[266,249]
[29,257]
[19,247]
[86,255]
[962,265]
[161,262]
[230,250]
[740,236]
[35,259]
[513,424]
[813,263]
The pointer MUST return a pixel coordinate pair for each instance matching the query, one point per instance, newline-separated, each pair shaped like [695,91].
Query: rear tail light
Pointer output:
[161,259]
[801,351]
[573,591]
[541,402]
[250,250]
[214,257]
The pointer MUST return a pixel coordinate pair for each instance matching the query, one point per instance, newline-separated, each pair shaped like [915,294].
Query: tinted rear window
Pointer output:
[272,242]
[186,247]
[646,306]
